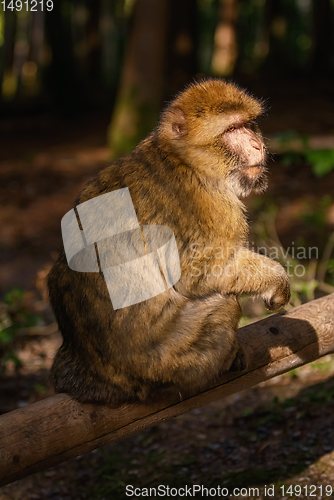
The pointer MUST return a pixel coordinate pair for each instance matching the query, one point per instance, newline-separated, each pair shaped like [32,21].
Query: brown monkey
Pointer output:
[188,174]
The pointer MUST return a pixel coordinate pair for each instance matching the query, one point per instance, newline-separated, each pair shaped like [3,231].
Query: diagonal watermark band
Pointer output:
[132,274]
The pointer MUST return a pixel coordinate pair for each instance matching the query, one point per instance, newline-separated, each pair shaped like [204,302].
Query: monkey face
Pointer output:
[246,158]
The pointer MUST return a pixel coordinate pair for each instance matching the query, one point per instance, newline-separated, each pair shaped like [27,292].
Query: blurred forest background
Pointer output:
[131,56]
[81,82]
[78,54]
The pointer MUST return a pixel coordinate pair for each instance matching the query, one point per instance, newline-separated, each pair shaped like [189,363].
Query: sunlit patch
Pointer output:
[254,171]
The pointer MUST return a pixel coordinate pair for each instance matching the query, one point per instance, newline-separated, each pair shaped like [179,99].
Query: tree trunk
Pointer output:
[225,45]
[141,88]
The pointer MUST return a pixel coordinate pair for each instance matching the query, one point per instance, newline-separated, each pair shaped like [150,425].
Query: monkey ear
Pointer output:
[178,122]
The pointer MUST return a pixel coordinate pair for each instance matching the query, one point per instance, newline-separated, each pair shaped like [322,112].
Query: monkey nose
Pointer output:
[257,146]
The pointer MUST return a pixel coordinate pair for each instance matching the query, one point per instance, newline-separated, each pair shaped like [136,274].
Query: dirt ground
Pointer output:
[277,434]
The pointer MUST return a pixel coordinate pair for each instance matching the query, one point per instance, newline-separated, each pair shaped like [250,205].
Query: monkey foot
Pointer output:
[239,363]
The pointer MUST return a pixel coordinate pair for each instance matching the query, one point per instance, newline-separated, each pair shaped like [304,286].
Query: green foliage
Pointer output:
[324,366]
[40,389]
[315,216]
[285,137]
[132,120]
[244,321]
[330,267]
[292,158]
[321,161]
[18,315]
[302,289]
[276,34]
[308,268]
[14,296]
[14,316]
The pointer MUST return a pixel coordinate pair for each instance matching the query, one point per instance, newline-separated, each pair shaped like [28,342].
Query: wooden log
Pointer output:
[58,428]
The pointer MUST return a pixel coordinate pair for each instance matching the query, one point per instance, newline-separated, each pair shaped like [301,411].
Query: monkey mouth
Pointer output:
[254,171]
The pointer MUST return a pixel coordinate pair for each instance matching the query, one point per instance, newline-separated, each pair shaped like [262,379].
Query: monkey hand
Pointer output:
[278,294]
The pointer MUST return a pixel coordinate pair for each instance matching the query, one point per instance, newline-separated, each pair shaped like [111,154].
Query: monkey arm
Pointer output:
[250,272]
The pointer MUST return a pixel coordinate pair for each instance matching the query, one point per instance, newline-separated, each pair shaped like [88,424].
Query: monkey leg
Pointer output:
[199,344]
[183,353]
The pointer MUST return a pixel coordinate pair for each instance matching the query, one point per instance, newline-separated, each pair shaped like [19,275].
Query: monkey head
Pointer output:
[211,128]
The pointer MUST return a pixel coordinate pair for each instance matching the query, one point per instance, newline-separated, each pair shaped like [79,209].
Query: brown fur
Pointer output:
[187,175]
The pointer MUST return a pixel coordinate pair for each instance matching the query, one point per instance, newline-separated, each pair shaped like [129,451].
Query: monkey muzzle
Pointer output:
[254,171]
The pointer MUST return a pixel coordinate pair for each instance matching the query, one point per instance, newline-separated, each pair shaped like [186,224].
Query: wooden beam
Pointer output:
[58,428]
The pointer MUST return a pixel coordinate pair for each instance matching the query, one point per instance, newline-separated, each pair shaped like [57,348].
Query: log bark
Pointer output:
[58,428]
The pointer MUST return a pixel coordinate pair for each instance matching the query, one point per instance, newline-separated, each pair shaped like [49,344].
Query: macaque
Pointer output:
[189,174]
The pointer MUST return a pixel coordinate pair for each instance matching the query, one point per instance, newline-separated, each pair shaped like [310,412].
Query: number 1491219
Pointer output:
[28,5]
